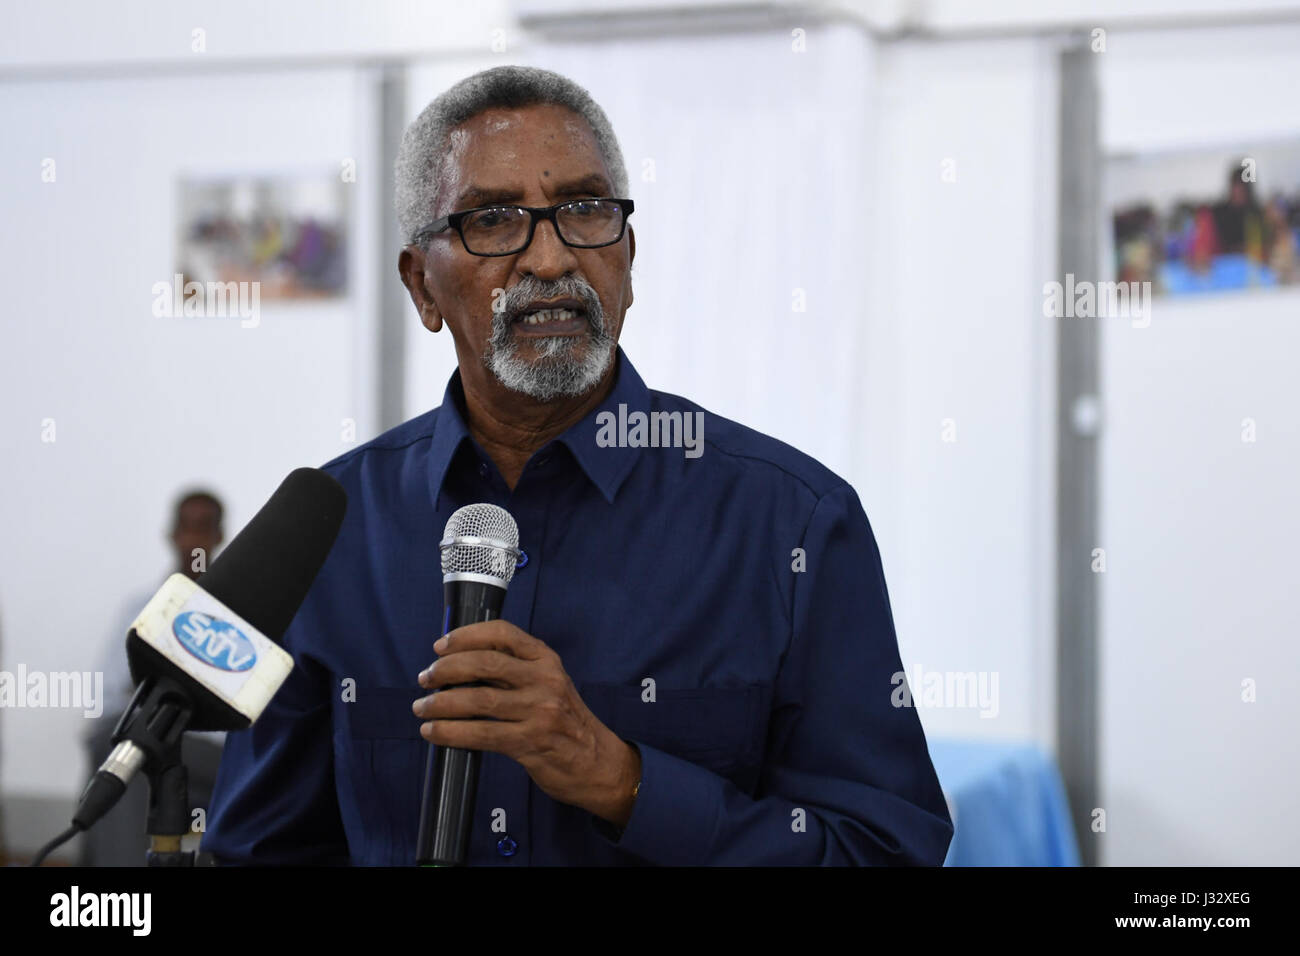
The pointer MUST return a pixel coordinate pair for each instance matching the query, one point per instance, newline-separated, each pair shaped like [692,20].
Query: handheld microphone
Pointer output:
[203,652]
[479,548]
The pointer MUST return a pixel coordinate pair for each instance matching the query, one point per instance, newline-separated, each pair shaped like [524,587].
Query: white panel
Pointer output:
[1173,89]
[955,15]
[77,33]
[962,264]
[1198,596]
[143,404]
[1199,526]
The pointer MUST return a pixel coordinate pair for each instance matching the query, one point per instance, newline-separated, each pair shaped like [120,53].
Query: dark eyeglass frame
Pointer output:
[536,214]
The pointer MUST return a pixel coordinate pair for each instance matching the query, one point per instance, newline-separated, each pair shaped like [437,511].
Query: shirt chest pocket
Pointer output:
[385,761]
[719,728]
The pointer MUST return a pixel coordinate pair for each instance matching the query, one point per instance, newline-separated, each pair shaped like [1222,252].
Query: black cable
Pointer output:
[54,844]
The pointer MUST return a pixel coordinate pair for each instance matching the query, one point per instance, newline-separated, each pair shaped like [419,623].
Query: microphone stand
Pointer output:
[155,722]
[169,810]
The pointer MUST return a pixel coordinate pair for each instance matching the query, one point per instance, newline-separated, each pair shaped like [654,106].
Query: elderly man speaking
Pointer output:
[696,660]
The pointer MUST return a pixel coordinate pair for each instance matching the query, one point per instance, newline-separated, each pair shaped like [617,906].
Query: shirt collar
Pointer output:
[449,432]
[606,467]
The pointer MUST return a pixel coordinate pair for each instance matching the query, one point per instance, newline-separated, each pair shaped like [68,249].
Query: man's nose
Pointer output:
[547,257]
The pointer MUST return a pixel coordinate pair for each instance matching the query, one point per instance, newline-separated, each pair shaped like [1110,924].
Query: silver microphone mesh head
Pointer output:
[481,539]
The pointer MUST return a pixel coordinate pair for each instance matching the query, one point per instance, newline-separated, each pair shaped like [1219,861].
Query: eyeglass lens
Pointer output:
[504,229]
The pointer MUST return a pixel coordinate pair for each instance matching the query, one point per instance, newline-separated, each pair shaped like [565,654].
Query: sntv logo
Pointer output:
[215,642]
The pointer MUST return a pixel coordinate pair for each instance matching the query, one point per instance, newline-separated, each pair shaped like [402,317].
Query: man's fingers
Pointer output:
[491,635]
[495,667]
[498,736]
[464,703]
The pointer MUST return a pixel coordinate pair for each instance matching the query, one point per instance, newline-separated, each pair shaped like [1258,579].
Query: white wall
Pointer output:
[959,334]
[1198,526]
[59,35]
[995,16]
[144,404]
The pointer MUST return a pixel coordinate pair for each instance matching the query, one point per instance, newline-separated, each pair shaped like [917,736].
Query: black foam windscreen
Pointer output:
[264,574]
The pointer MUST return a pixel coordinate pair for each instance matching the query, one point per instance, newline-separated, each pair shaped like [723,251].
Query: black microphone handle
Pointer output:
[451,774]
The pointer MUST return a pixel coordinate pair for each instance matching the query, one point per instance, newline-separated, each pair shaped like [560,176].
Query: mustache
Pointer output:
[511,303]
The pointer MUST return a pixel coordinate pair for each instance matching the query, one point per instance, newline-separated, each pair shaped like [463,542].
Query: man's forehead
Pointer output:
[545,118]
[487,151]
[197,511]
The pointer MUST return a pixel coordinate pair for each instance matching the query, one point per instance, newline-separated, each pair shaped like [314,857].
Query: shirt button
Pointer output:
[507,846]
[522,562]
[483,469]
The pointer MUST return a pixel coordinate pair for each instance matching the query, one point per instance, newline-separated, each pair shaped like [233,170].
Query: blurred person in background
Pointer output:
[1205,242]
[119,839]
[1237,220]
[1281,242]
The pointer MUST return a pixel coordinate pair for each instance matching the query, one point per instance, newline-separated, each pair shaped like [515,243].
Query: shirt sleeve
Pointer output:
[847,777]
[274,802]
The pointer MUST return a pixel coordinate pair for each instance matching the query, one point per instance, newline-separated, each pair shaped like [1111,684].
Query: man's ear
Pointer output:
[410,266]
[631,241]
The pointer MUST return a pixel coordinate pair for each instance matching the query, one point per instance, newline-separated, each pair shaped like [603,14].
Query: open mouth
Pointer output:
[560,318]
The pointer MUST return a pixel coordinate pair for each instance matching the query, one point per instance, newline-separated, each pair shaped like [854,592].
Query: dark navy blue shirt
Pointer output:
[737,584]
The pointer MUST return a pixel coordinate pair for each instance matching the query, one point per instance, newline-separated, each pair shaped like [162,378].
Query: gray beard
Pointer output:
[564,366]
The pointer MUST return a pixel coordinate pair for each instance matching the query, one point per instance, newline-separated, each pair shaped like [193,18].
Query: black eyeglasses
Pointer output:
[505,230]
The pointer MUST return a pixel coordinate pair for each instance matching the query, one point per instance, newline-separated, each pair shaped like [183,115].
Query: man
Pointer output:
[119,838]
[695,655]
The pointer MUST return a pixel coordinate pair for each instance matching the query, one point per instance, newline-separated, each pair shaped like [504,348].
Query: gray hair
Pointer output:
[420,166]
